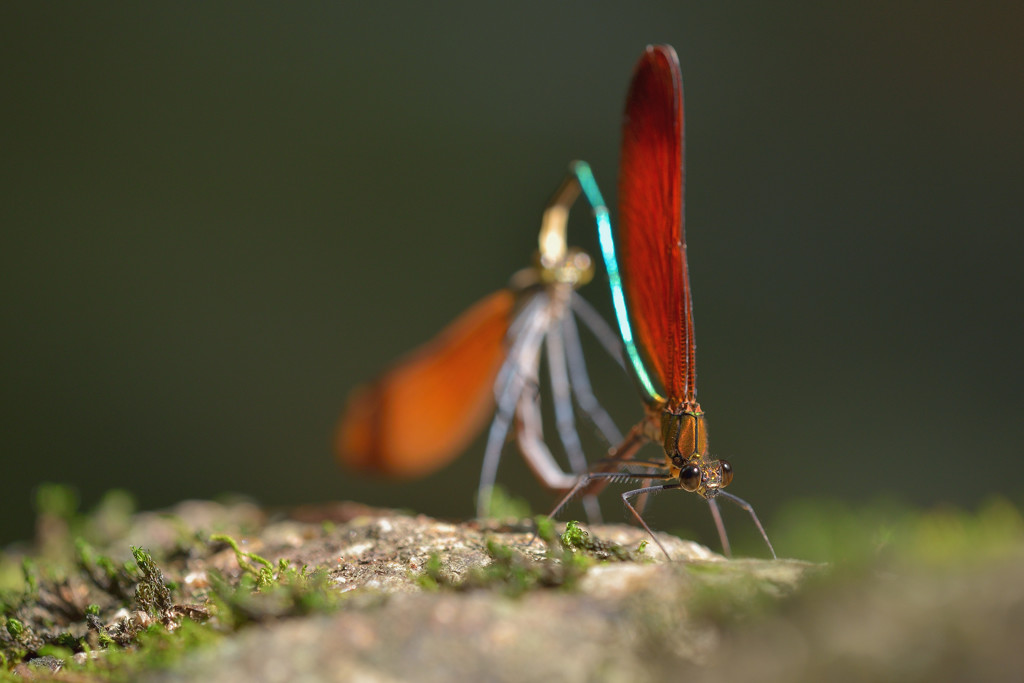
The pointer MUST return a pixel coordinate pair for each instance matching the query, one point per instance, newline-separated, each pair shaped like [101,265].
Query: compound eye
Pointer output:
[689,477]
[726,473]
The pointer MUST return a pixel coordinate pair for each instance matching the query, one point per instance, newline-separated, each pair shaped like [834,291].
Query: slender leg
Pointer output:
[564,418]
[747,506]
[716,514]
[565,421]
[597,466]
[523,333]
[495,442]
[530,440]
[588,479]
[593,321]
[521,364]
[594,481]
[644,491]
[641,503]
[625,451]
[580,382]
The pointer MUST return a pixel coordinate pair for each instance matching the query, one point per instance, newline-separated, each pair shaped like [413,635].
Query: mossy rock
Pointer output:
[224,591]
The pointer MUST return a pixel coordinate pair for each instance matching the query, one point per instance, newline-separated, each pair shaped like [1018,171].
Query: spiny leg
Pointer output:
[629,446]
[634,440]
[588,479]
[658,464]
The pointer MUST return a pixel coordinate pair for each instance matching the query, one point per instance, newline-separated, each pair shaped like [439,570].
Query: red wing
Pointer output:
[651,178]
[426,409]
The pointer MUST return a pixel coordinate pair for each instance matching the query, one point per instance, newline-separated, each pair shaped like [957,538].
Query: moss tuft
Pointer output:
[506,506]
[15,628]
[151,594]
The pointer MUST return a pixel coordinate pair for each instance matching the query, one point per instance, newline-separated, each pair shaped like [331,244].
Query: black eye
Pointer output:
[726,473]
[689,477]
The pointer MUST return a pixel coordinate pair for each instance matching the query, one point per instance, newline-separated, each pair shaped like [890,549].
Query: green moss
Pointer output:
[576,540]
[154,648]
[945,536]
[430,579]
[34,602]
[68,641]
[30,574]
[263,595]
[110,520]
[62,653]
[151,594]
[573,538]
[729,592]
[15,628]
[56,500]
[12,577]
[514,572]
[510,571]
[267,590]
[262,574]
[311,592]
[507,506]
[545,528]
[859,537]
[270,591]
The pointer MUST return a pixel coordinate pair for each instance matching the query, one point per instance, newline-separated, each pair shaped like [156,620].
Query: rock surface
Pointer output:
[419,599]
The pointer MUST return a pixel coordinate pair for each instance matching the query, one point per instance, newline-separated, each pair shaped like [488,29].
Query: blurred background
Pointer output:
[216,219]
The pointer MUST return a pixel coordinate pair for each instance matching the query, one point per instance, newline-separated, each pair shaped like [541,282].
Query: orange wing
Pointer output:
[651,178]
[425,410]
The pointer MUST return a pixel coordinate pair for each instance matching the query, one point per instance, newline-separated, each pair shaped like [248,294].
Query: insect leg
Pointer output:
[530,440]
[565,421]
[747,506]
[593,321]
[716,514]
[524,354]
[564,418]
[644,491]
[580,382]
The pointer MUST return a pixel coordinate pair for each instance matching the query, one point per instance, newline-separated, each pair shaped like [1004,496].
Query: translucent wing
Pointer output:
[425,410]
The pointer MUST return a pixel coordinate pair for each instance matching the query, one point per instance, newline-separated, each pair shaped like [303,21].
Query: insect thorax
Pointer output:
[684,434]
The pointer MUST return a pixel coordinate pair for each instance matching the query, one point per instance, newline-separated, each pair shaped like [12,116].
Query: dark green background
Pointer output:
[217,218]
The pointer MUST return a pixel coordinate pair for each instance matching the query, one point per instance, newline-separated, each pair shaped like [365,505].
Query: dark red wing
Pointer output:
[653,245]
